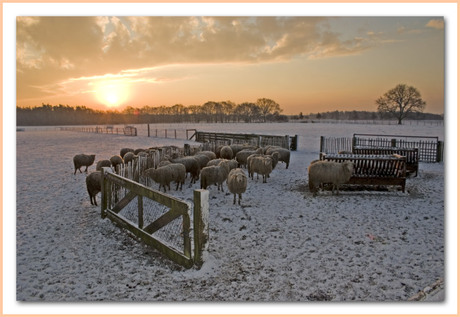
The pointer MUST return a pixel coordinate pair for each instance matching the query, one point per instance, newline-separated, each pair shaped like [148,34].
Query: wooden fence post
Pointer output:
[104,192]
[200,224]
[148,130]
[440,151]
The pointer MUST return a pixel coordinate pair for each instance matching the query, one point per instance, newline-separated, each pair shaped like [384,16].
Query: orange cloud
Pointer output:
[436,24]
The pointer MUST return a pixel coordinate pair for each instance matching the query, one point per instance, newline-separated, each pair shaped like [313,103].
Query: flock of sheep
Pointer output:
[226,163]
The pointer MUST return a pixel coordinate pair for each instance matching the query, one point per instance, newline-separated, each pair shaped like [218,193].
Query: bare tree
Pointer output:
[400,101]
[267,106]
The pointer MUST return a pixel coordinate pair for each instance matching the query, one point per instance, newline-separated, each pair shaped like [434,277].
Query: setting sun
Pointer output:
[112,94]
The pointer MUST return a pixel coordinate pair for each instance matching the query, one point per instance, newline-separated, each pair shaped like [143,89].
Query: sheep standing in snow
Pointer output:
[321,172]
[284,154]
[260,164]
[226,152]
[163,176]
[81,160]
[192,166]
[237,182]
[202,159]
[232,163]
[214,175]
[93,185]
[179,173]
[103,163]
[242,156]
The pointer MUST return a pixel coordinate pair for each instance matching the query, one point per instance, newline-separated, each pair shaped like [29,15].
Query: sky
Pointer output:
[306,64]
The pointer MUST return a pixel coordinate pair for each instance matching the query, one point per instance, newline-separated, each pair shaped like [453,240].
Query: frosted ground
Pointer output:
[281,245]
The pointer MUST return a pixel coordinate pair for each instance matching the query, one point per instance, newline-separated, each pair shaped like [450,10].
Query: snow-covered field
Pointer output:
[281,245]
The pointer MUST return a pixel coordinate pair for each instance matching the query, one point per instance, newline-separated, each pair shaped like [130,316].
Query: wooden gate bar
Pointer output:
[177,209]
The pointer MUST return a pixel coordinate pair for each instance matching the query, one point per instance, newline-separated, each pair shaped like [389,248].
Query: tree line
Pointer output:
[363,115]
[263,110]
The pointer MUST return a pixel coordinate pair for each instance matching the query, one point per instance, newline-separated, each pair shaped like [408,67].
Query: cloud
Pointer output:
[436,24]
[54,49]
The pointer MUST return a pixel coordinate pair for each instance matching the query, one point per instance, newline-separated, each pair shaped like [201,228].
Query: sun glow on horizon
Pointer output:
[112,94]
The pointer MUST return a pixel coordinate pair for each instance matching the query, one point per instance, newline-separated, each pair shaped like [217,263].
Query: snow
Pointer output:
[281,245]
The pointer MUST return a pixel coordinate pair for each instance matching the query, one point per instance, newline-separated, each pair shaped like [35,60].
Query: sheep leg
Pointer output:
[239,199]
[234,198]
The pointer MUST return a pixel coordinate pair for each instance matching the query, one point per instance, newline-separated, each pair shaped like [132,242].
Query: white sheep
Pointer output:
[260,164]
[284,154]
[93,185]
[226,152]
[81,160]
[179,173]
[321,172]
[214,175]
[237,183]
[163,176]
[242,156]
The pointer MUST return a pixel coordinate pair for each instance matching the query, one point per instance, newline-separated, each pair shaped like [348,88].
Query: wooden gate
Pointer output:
[159,220]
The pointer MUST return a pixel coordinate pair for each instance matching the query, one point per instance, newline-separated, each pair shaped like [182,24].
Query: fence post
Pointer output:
[294,142]
[104,192]
[148,130]
[321,141]
[440,151]
[200,224]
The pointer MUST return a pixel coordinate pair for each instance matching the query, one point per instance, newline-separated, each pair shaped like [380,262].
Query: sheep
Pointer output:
[125,150]
[93,185]
[275,158]
[179,173]
[214,175]
[211,155]
[115,161]
[202,159]
[163,176]
[242,156]
[215,162]
[284,154]
[239,147]
[237,183]
[103,163]
[260,164]
[232,164]
[164,163]
[191,166]
[137,151]
[329,172]
[81,160]
[226,152]
[128,157]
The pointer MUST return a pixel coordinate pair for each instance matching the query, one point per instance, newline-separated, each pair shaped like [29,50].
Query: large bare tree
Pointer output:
[268,106]
[400,101]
